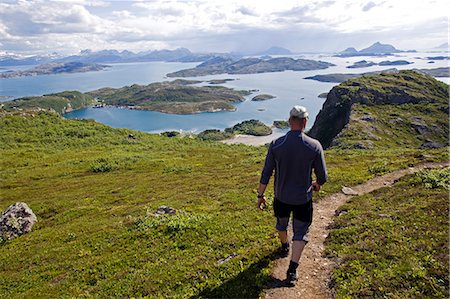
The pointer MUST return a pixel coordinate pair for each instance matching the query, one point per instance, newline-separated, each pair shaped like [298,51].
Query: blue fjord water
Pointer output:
[290,88]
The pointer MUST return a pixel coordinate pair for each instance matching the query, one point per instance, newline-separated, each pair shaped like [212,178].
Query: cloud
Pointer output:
[214,25]
[247,11]
[369,6]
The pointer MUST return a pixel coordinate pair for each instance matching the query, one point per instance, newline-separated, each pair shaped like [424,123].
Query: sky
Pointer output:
[67,27]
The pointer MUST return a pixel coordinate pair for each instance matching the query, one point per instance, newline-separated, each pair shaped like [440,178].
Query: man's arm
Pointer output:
[261,198]
[320,170]
[266,173]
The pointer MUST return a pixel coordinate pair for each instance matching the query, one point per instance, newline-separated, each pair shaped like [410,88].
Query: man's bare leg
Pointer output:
[283,236]
[297,249]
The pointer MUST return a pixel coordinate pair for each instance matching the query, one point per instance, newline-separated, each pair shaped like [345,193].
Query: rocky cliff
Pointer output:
[405,108]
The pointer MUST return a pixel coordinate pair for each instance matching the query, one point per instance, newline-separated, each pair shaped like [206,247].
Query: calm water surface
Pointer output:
[289,88]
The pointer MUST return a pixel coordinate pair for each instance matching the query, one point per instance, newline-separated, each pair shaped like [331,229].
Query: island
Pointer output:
[226,65]
[341,77]
[395,62]
[176,97]
[281,124]
[263,97]
[55,68]
[61,102]
[376,49]
[219,81]
[362,63]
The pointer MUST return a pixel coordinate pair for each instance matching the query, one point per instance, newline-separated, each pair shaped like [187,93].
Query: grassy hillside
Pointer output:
[393,243]
[94,188]
[405,109]
[60,102]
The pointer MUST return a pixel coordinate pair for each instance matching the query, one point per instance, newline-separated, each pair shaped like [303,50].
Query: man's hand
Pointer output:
[315,186]
[261,203]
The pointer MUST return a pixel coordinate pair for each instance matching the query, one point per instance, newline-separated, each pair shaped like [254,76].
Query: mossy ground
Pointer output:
[393,242]
[91,187]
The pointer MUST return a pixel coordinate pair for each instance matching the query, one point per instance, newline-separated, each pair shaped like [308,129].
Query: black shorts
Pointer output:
[302,212]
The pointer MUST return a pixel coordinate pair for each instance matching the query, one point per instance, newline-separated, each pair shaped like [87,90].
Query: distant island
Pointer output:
[263,97]
[175,97]
[55,68]
[377,49]
[341,77]
[221,65]
[364,63]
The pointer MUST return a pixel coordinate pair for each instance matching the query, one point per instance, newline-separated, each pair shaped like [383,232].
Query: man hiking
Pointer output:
[293,157]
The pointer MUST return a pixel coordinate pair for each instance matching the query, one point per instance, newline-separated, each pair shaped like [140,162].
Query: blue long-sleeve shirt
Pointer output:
[293,157]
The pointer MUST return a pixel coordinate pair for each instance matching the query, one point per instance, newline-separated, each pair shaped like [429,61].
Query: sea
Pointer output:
[290,88]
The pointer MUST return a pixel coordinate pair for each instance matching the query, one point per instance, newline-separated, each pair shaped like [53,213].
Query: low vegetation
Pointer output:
[394,242]
[178,97]
[59,102]
[281,124]
[94,190]
[250,127]
[215,135]
[405,109]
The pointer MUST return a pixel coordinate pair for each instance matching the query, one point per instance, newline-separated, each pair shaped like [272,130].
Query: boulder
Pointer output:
[165,210]
[348,191]
[16,220]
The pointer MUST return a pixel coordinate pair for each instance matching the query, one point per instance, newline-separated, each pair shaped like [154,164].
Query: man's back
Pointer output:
[293,157]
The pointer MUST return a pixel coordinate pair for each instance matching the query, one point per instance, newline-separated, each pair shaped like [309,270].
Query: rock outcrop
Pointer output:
[16,220]
[405,87]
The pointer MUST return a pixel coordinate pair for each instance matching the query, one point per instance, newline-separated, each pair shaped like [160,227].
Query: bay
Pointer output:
[290,88]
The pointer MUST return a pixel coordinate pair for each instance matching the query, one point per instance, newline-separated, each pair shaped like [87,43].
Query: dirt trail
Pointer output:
[314,270]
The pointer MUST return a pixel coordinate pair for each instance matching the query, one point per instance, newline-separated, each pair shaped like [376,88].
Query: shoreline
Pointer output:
[254,140]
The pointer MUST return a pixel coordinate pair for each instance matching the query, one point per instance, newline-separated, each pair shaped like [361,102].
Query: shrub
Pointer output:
[170,134]
[215,135]
[434,178]
[379,168]
[103,165]
[250,127]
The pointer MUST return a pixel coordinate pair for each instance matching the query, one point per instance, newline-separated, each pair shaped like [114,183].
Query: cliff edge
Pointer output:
[406,108]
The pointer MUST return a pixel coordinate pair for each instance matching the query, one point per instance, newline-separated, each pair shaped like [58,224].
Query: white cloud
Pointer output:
[217,25]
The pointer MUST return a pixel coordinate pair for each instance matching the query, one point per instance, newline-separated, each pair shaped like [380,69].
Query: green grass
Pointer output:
[250,127]
[59,102]
[92,188]
[393,242]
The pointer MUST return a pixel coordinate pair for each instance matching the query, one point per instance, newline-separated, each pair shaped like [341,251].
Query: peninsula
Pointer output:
[55,68]
[341,77]
[224,65]
[176,97]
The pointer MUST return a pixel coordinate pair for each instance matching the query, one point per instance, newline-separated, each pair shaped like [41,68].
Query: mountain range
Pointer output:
[125,56]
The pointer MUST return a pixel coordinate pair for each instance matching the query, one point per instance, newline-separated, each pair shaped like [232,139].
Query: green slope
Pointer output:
[91,187]
[405,109]
[393,242]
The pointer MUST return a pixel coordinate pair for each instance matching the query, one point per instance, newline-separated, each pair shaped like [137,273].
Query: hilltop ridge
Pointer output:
[403,109]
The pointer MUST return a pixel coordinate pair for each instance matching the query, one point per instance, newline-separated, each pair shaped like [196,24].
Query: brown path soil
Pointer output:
[315,270]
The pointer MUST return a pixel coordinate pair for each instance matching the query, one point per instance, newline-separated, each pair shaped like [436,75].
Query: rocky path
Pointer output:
[315,270]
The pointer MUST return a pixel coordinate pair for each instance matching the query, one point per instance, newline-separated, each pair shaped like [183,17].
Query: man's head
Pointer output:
[298,117]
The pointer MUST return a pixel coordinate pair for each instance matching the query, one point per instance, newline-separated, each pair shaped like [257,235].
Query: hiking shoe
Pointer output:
[284,250]
[291,278]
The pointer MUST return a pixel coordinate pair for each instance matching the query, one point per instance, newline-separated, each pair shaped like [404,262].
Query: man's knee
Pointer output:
[282,224]
[301,230]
